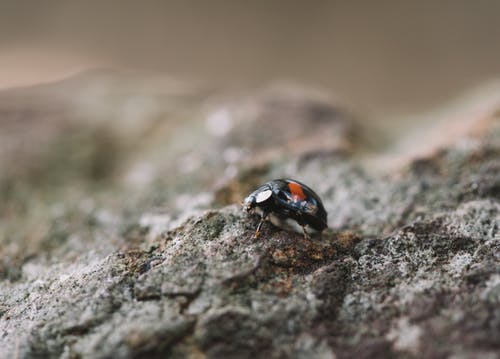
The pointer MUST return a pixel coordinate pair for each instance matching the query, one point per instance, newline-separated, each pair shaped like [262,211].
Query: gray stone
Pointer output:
[98,263]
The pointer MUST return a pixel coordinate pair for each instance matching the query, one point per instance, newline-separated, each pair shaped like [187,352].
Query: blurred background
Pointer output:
[385,58]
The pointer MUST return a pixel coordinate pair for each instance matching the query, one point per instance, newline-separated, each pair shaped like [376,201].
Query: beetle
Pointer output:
[288,204]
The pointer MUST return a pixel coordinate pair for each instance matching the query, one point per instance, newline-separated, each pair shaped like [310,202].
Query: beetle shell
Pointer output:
[288,204]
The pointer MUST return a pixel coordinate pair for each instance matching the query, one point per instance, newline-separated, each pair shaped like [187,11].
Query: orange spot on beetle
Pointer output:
[296,191]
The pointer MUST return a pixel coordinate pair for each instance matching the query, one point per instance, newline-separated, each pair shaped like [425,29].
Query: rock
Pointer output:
[99,267]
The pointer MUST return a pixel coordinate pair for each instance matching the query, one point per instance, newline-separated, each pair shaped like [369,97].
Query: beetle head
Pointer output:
[258,198]
[249,203]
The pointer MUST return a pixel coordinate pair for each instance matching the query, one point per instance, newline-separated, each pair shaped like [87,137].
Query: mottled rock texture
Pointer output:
[121,235]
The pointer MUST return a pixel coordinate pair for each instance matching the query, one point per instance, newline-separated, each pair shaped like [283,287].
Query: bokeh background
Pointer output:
[386,58]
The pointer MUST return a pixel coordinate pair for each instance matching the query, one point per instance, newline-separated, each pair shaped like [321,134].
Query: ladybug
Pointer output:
[287,204]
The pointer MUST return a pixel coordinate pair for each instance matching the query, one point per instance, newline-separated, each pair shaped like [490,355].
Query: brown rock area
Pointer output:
[121,234]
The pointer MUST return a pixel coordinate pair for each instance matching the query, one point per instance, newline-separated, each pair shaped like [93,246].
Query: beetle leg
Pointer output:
[257,231]
[306,235]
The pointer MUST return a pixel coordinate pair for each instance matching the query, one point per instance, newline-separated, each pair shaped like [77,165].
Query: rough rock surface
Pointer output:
[121,236]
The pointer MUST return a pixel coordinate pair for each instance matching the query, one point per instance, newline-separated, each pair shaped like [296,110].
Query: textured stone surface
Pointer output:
[126,242]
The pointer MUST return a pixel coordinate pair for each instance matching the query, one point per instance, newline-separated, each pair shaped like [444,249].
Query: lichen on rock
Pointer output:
[106,264]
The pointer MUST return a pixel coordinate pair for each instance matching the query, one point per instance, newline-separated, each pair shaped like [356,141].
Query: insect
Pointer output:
[287,204]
